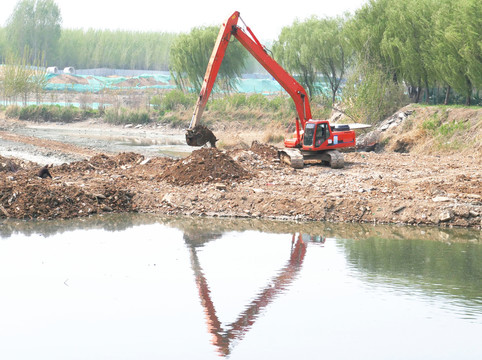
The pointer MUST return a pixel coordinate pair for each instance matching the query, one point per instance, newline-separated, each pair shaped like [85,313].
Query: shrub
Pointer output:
[172,100]
[126,116]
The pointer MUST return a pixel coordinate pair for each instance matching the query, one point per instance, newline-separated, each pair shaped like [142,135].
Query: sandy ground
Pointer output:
[386,187]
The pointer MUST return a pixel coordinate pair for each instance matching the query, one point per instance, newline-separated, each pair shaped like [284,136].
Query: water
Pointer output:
[141,287]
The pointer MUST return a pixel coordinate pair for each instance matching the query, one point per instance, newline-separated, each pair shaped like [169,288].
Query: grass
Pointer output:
[50,113]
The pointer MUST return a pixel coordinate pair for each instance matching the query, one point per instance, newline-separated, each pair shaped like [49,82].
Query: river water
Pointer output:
[143,287]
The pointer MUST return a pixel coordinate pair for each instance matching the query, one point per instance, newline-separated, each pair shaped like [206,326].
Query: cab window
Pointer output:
[322,134]
[309,132]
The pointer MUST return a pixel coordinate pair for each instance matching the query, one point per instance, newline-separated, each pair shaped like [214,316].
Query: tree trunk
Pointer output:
[447,95]
[469,91]
[417,99]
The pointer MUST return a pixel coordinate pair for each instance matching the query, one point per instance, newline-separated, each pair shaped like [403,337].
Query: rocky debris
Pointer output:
[370,140]
[267,152]
[373,188]
[204,165]
[13,165]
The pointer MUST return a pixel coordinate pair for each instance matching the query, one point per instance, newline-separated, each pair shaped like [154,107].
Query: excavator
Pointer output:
[312,141]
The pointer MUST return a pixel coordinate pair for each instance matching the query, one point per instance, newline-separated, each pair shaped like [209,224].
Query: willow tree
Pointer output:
[294,50]
[312,48]
[407,30]
[35,26]
[190,54]
[456,47]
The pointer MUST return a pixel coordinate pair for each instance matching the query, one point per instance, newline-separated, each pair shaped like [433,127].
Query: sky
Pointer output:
[265,17]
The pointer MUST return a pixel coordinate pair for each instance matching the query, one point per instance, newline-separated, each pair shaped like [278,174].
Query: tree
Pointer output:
[331,48]
[295,51]
[190,54]
[35,25]
[313,47]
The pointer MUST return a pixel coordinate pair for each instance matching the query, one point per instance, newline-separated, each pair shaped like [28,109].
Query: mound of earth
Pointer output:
[75,190]
[267,152]
[68,79]
[204,165]
[13,165]
[140,81]
[26,196]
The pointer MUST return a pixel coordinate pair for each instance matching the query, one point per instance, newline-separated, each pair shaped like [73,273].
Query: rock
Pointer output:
[145,161]
[399,209]
[167,198]
[220,186]
[441,199]
[473,213]
[446,215]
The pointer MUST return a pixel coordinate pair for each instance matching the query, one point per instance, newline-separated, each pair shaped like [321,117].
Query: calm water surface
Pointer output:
[148,288]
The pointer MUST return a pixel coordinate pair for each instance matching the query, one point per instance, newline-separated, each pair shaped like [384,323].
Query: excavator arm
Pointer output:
[254,47]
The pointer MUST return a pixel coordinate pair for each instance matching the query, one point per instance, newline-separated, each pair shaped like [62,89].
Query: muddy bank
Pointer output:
[372,188]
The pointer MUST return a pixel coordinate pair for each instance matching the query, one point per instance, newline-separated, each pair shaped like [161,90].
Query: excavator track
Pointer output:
[292,157]
[336,159]
[297,159]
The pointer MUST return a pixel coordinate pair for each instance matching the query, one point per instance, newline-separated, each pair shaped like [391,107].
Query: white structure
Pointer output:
[53,70]
[69,70]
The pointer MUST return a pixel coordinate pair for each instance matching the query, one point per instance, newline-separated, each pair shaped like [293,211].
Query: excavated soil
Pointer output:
[373,187]
[204,165]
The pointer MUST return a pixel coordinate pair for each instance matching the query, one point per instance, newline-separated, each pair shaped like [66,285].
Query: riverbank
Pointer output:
[385,187]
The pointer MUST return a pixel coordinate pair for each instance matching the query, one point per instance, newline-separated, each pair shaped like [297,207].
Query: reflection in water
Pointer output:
[224,338]
[453,270]
[410,282]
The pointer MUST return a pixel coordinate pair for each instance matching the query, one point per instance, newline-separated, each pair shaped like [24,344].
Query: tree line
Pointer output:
[430,48]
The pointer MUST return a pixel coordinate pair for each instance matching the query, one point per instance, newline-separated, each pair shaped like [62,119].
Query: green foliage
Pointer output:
[313,49]
[48,113]
[172,100]
[190,54]
[114,49]
[370,95]
[120,116]
[439,128]
[258,102]
[21,78]
[424,43]
[35,25]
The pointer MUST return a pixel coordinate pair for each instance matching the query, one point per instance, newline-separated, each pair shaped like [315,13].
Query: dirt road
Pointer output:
[387,187]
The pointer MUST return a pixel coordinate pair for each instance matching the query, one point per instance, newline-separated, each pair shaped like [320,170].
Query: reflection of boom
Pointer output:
[223,338]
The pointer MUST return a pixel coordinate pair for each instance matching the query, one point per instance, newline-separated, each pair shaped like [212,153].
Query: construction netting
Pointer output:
[92,83]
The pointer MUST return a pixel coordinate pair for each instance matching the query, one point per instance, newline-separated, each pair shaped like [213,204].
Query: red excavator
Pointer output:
[312,141]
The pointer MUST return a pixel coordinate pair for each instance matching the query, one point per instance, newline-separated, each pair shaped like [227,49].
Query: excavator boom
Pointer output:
[315,139]
[293,88]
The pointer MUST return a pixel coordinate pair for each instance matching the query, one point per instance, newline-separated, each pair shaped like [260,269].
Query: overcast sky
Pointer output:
[265,18]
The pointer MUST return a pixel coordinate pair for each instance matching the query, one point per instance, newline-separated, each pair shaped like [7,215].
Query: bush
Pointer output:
[45,113]
[370,95]
[125,116]
[172,100]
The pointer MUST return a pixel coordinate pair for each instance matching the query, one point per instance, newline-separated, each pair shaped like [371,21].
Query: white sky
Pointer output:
[265,18]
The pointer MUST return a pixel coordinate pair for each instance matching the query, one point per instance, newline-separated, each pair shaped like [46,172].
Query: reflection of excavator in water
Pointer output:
[313,140]
[224,338]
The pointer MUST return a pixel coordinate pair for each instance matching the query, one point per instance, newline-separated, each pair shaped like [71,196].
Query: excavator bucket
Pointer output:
[199,136]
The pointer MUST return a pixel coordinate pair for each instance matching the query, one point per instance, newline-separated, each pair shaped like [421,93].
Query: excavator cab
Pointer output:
[316,133]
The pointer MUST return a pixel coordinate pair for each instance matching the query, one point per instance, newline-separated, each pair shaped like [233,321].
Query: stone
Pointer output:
[445,216]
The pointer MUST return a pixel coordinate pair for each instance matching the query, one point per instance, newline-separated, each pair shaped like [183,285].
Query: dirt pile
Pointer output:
[140,81]
[14,165]
[77,189]
[267,152]
[68,79]
[204,165]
